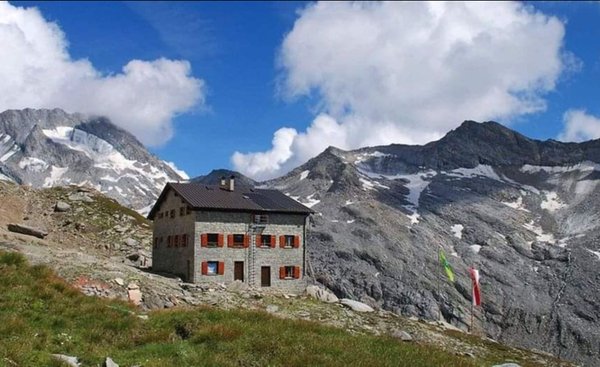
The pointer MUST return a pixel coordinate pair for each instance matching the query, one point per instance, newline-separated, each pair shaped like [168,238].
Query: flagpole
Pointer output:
[438,290]
[471,328]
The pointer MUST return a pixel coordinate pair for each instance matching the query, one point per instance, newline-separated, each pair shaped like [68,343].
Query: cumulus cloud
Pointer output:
[579,126]
[408,72]
[37,71]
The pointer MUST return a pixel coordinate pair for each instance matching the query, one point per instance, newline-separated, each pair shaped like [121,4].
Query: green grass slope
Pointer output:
[40,314]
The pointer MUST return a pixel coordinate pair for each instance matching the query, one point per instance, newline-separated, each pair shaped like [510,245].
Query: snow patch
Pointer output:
[351,221]
[56,174]
[540,235]
[475,248]
[4,177]
[551,202]
[33,164]
[482,170]
[104,154]
[457,230]
[597,253]
[348,202]
[585,166]
[414,218]
[310,201]
[518,204]
[304,175]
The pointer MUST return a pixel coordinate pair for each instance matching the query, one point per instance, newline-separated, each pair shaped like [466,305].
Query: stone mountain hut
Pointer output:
[222,233]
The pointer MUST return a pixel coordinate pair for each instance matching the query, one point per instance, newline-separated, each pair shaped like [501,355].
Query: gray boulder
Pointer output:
[61,206]
[27,230]
[356,306]
[70,361]
[110,363]
[402,335]
[321,294]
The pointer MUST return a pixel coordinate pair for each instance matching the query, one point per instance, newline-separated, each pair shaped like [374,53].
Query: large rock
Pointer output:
[61,206]
[321,294]
[68,360]
[110,363]
[356,306]
[131,242]
[30,231]
[135,296]
[81,196]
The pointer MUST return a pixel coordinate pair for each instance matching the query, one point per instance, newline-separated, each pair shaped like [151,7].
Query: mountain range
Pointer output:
[45,148]
[522,211]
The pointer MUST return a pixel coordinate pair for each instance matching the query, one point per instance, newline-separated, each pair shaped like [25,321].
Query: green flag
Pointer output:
[446,266]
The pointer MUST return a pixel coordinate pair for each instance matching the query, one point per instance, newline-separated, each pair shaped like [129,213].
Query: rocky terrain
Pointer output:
[102,248]
[523,212]
[47,148]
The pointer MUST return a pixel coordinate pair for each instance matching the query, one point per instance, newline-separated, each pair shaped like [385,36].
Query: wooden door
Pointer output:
[265,276]
[238,270]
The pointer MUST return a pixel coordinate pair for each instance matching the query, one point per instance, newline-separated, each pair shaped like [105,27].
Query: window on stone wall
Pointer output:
[182,211]
[212,267]
[265,240]
[188,210]
[289,271]
[184,240]
[160,215]
[288,241]
[212,239]
[238,240]
[172,213]
[261,219]
[169,241]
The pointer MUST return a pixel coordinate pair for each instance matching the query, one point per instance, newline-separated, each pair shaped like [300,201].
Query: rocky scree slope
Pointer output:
[46,148]
[524,212]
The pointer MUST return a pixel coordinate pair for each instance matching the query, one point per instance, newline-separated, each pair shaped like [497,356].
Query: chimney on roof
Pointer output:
[223,182]
[231,183]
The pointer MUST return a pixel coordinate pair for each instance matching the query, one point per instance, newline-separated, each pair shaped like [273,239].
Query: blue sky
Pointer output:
[236,50]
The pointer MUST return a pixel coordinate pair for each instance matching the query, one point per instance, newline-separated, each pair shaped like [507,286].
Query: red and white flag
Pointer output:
[476,290]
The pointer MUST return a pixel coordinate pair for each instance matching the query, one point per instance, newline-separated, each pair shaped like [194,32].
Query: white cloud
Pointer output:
[37,71]
[579,126]
[408,72]
[180,172]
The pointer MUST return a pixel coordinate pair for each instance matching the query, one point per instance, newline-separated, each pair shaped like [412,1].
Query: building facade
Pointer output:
[220,234]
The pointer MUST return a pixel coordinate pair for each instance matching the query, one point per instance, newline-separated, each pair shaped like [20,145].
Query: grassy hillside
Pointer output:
[40,314]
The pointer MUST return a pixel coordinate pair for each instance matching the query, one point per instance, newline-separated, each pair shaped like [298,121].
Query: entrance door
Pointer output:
[265,276]
[238,270]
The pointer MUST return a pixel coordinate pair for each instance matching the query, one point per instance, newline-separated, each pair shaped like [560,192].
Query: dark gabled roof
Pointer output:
[243,198]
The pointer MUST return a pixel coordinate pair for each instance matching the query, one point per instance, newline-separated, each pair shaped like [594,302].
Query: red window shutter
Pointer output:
[221,268]
[176,240]
[168,241]
[296,241]
[229,240]
[296,272]
[282,272]
[220,240]
[246,241]
[282,241]
[273,241]
[204,240]
[183,240]
[204,268]
[258,241]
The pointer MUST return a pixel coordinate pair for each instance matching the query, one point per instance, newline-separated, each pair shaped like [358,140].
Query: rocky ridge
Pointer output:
[47,148]
[522,211]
